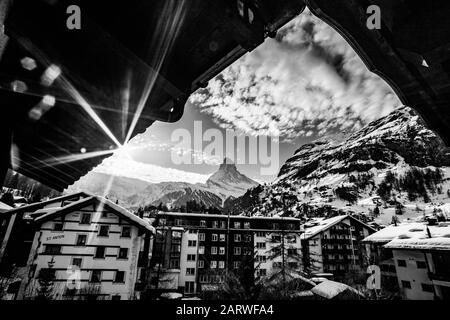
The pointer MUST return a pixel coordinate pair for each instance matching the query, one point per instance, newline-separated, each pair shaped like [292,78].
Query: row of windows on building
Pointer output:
[425,286]
[100,251]
[419,264]
[95,275]
[103,230]
[342,257]
[224,225]
[176,248]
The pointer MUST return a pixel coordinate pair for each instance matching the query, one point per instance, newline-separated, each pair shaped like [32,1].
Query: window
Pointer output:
[100,252]
[246,225]
[222,250]
[292,251]
[213,250]
[248,238]
[115,297]
[119,277]
[58,226]
[236,264]
[223,224]
[103,231]
[202,223]
[427,287]
[189,287]
[275,226]
[237,225]
[421,265]
[52,249]
[178,222]
[126,232]
[96,276]
[237,237]
[201,237]
[192,243]
[261,245]
[406,284]
[201,263]
[85,218]
[221,264]
[293,265]
[214,237]
[191,257]
[204,278]
[190,271]
[175,248]
[104,214]
[81,240]
[213,264]
[222,237]
[123,253]
[215,224]
[261,258]
[401,263]
[201,250]
[174,264]
[193,231]
[262,272]
[77,262]
[237,250]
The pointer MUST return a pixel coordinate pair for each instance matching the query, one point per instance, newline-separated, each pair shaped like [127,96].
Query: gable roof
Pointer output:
[324,224]
[132,218]
[38,205]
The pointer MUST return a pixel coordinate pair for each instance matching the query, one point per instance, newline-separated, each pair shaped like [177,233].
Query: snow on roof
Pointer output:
[329,289]
[206,215]
[320,224]
[4,207]
[124,212]
[413,236]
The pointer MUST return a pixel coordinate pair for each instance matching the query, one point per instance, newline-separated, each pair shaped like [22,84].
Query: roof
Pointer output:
[329,289]
[132,218]
[415,236]
[183,214]
[324,224]
[39,205]
[4,207]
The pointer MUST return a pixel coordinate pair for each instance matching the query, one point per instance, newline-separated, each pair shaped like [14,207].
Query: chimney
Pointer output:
[428,232]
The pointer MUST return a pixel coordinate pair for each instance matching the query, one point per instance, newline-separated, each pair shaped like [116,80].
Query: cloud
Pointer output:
[308,81]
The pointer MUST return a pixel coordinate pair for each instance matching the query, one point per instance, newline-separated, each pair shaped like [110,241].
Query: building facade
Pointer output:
[335,246]
[193,252]
[89,249]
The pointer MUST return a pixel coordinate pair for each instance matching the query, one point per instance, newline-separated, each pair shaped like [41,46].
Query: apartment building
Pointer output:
[422,260]
[93,248]
[17,234]
[192,252]
[334,245]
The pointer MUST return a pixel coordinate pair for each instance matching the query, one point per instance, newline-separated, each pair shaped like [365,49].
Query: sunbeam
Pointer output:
[166,33]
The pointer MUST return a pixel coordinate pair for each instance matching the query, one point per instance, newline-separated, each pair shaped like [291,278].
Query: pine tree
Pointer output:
[46,281]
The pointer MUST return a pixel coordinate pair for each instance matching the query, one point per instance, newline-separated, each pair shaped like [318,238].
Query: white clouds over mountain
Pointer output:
[308,81]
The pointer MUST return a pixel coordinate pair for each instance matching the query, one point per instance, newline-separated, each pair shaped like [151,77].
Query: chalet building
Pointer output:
[421,256]
[334,245]
[192,252]
[17,234]
[90,249]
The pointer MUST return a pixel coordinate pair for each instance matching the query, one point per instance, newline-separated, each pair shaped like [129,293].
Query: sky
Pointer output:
[305,84]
